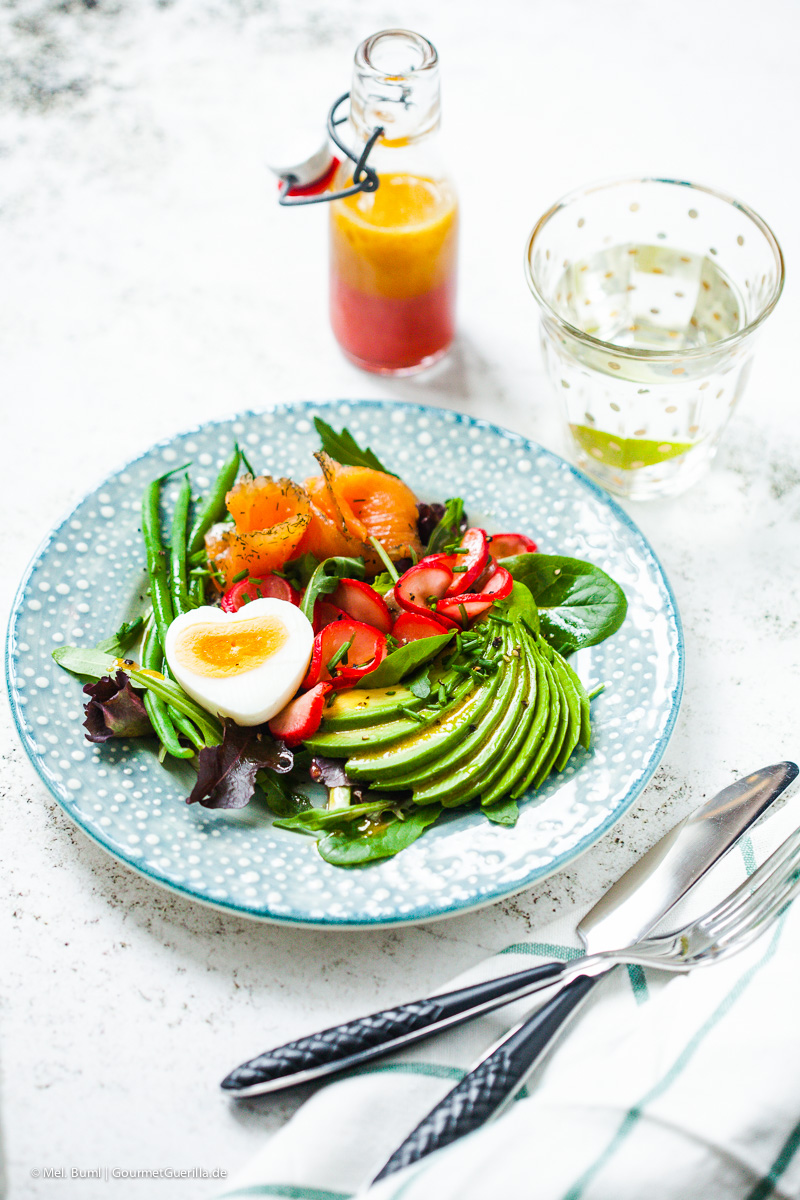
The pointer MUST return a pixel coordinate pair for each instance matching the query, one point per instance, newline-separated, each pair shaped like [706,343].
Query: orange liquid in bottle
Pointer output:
[393,273]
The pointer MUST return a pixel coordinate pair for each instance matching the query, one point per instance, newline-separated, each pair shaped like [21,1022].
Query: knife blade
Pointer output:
[630,908]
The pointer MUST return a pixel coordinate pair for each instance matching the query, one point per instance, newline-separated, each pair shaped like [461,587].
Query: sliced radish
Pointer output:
[504,545]
[423,585]
[471,562]
[410,627]
[366,650]
[362,603]
[301,717]
[463,609]
[326,613]
[273,586]
[499,585]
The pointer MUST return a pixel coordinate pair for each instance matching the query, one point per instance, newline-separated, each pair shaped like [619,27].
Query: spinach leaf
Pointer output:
[579,605]
[449,527]
[326,580]
[280,795]
[520,606]
[323,818]
[351,847]
[502,812]
[404,660]
[346,450]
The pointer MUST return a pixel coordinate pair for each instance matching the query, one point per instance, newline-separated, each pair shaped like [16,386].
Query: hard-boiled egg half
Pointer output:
[245,665]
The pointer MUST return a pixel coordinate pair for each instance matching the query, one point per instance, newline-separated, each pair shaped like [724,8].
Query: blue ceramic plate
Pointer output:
[88,575]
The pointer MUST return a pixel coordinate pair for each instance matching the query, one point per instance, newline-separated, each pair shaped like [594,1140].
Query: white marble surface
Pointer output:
[150,282]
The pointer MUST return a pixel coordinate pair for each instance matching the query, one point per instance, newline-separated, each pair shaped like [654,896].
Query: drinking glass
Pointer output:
[652,292]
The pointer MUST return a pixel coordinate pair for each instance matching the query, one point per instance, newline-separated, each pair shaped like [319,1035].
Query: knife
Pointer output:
[630,909]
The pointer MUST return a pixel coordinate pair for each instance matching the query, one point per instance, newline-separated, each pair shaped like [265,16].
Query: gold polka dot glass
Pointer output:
[652,293]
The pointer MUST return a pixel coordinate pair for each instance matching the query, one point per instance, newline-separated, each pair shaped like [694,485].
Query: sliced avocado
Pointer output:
[367,706]
[552,721]
[425,742]
[562,732]
[457,782]
[460,751]
[584,732]
[574,710]
[341,743]
[534,729]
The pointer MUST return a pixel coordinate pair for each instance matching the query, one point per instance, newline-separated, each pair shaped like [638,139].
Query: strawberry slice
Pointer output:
[460,610]
[504,545]
[499,584]
[362,603]
[470,561]
[343,652]
[255,589]
[301,717]
[410,627]
[326,613]
[423,585]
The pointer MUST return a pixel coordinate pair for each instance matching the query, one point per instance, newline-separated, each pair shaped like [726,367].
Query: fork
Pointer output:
[726,929]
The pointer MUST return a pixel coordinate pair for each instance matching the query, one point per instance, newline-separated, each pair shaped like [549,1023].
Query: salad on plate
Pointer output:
[344,632]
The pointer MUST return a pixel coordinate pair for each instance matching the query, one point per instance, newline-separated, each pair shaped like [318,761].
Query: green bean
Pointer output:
[154,705]
[197,590]
[177,549]
[156,565]
[214,507]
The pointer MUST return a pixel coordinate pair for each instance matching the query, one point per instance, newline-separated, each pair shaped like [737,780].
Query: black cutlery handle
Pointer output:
[379,1033]
[495,1080]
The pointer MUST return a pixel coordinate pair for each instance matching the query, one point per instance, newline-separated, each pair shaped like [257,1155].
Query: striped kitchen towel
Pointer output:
[665,1088]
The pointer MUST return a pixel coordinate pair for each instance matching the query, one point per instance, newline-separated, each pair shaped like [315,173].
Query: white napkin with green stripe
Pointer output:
[664,1088]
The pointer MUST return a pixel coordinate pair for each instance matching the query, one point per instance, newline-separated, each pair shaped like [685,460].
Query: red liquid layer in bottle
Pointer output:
[393,274]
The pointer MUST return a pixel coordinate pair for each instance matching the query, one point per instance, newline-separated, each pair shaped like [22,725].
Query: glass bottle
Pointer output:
[393,251]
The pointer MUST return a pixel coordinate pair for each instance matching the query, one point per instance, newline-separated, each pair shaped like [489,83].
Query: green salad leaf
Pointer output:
[404,660]
[502,812]
[449,527]
[326,580]
[314,819]
[579,605]
[353,847]
[346,450]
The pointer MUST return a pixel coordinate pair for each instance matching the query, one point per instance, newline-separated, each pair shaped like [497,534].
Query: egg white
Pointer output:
[250,697]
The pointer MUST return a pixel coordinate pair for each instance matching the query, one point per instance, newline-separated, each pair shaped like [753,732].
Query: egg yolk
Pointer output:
[217,651]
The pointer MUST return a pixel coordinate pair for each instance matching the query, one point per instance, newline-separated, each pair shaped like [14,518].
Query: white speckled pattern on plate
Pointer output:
[87,576]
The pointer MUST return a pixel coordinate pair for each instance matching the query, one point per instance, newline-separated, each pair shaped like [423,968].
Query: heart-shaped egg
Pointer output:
[245,665]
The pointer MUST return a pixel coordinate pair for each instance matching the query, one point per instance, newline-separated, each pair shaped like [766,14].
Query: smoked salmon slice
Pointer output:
[270,518]
[351,504]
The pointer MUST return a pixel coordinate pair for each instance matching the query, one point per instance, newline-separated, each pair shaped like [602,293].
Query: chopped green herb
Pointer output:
[340,655]
[239,576]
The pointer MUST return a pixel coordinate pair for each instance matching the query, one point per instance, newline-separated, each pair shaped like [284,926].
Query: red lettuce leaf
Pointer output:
[114,710]
[226,774]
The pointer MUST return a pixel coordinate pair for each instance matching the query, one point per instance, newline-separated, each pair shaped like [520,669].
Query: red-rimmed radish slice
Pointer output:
[463,609]
[471,563]
[366,651]
[256,588]
[410,627]
[362,603]
[499,585]
[504,545]
[301,717]
[326,613]
[423,584]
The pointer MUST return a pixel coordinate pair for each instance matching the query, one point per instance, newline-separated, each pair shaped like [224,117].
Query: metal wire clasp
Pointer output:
[365,178]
